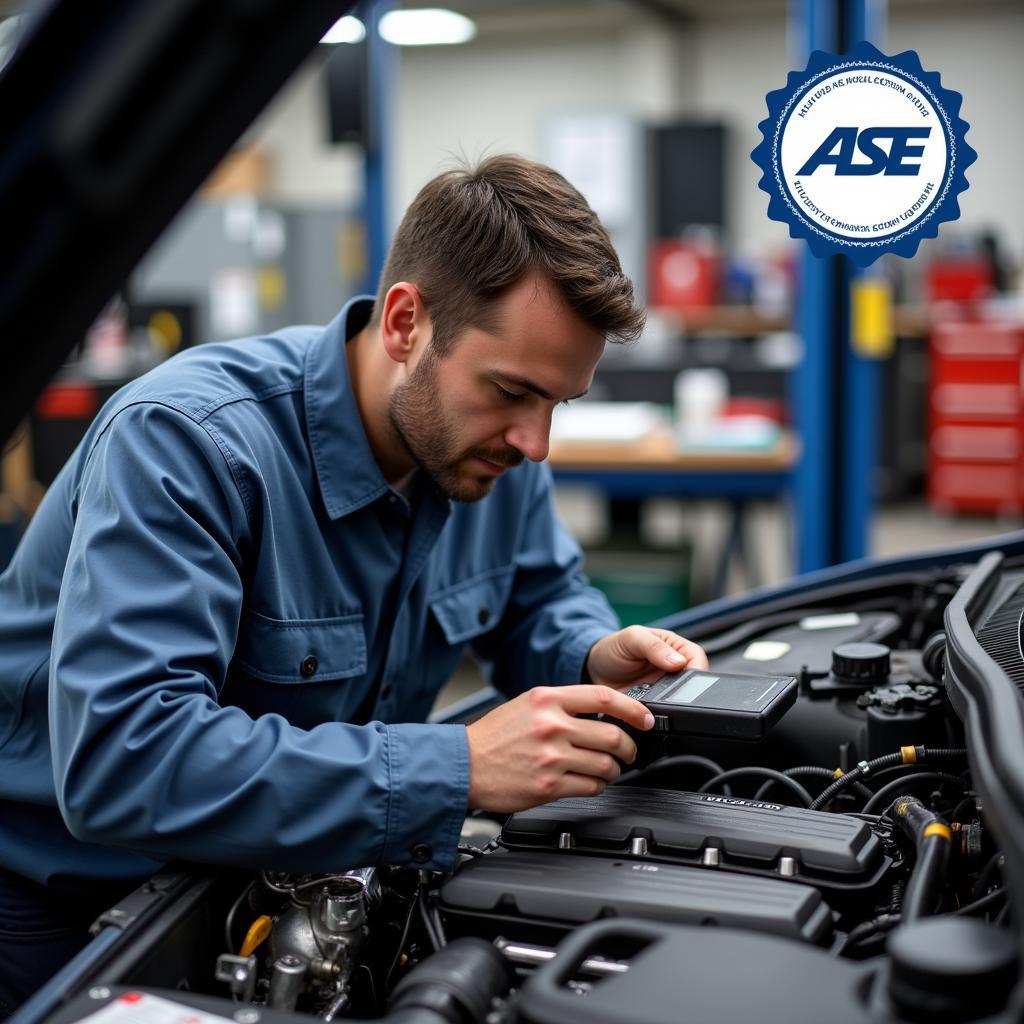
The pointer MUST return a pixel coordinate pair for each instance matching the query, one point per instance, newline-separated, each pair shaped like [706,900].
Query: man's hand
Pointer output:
[533,749]
[639,654]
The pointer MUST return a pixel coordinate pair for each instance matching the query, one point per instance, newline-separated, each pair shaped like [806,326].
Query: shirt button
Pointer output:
[483,616]
[421,853]
[309,665]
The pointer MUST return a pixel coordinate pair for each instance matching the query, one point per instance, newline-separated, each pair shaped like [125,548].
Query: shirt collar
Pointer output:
[348,474]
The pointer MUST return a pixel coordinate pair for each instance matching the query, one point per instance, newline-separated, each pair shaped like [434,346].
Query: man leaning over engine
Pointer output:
[222,633]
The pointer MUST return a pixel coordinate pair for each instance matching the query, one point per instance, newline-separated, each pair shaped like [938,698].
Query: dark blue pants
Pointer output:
[40,930]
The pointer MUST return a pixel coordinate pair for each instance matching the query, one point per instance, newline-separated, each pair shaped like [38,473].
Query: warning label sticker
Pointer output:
[143,1008]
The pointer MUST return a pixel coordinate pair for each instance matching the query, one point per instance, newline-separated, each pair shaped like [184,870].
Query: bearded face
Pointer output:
[431,433]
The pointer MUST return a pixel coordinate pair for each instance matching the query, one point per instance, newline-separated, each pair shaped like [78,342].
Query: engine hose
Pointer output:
[737,773]
[876,928]
[926,881]
[995,863]
[678,761]
[454,986]
[994,898]
[815,771]
[891,789]
[933,840]
[905,755]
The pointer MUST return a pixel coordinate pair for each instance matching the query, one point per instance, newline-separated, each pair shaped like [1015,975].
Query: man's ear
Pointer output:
[404,324]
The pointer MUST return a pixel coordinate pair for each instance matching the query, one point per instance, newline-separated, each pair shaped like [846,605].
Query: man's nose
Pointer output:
[531,434]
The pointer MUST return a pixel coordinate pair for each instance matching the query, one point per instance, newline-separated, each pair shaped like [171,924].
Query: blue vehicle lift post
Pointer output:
[381,58]
[835,389]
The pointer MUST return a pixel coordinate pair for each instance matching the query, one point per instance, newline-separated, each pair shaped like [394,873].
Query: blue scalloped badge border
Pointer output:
[860,250]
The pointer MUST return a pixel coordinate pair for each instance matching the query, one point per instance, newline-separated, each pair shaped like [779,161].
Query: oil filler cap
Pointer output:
[862,664]
[951,969]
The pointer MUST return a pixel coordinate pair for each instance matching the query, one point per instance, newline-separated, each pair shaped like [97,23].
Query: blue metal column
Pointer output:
[813,26]
[381,68]
[860,374]
[834,390]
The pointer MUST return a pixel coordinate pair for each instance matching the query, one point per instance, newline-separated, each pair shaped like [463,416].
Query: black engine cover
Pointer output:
[493,892]
[830,850]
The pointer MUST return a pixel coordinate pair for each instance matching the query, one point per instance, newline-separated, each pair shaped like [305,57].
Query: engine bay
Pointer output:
[844,865]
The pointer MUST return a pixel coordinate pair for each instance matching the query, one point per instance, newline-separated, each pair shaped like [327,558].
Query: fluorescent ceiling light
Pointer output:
[430,26]
[345,30]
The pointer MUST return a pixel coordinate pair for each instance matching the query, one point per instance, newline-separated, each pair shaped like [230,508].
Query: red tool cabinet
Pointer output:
[977,420]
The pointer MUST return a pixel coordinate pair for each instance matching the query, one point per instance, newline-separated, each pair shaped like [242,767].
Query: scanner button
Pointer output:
[661,723]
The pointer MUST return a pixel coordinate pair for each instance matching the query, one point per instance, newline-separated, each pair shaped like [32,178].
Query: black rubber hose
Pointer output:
[932,839]
[678,761]
[852,776]
[933,656]
[454,986]
[739,773]
[885,795]
[922,894]
[873,929]
[437,941]
[815,771]
[995,897]
[921,755]
[994,864]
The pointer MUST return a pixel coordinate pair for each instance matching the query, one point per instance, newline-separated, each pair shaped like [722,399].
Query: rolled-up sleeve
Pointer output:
[554,616]
[144,756]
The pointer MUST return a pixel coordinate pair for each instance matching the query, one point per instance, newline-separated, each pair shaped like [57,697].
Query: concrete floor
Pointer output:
[896,529]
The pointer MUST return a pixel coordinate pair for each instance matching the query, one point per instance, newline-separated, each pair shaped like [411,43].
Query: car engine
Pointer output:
[854,815]
[844,867]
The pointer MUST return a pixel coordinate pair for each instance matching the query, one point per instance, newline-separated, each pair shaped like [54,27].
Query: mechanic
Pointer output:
[265,550]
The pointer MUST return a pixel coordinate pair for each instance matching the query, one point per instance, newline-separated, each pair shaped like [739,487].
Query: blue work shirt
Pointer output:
[215,584]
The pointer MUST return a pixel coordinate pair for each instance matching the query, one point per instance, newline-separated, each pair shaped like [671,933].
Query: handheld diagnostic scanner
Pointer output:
[700,703]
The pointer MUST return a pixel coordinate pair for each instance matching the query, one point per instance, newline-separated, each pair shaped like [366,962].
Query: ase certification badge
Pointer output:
[863,154]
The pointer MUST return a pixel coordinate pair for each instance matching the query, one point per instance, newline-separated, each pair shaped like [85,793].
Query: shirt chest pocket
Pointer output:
[301,650]
[470,609]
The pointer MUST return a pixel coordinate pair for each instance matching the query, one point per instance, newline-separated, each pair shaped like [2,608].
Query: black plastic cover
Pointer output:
[751,835]
[807,643]
[572,890]
[686,975]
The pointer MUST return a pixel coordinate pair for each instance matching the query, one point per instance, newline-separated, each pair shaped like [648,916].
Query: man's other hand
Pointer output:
[639,654]
[533,748]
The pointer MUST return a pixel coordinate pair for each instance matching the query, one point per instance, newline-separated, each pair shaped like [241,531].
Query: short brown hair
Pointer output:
[473,232]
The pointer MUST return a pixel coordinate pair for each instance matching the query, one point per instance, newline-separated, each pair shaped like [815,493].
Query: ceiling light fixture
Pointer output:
[431,26]
[345,30]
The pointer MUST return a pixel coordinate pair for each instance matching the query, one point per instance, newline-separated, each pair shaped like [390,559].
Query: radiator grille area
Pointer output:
[1000,637]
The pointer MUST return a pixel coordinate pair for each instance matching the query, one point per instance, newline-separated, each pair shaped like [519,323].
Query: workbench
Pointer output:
[653,467]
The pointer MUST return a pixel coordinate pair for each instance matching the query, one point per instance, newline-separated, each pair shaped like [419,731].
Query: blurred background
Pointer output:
[764,425]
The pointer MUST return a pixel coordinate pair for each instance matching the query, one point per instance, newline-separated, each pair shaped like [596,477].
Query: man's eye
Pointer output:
[509,396]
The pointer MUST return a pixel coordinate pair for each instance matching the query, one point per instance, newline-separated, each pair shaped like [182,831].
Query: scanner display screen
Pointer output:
[691,689]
